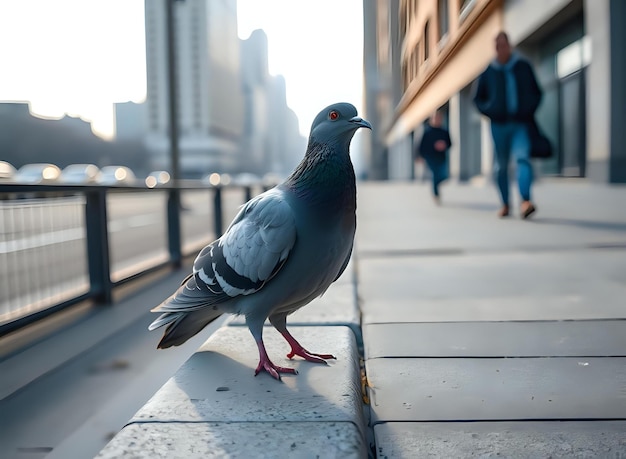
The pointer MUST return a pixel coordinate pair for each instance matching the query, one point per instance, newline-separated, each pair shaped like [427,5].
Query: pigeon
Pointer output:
[282,250]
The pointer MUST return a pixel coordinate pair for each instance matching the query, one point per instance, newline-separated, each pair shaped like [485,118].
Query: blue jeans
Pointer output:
[439,169]
[511,139]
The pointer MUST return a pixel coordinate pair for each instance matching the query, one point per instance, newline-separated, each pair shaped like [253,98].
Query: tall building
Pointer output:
[209,96]
[433,50]
[272,142]
[130,121]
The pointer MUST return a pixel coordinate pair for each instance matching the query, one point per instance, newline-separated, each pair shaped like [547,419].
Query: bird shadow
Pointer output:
[223,388]
[216,397]
[571,222]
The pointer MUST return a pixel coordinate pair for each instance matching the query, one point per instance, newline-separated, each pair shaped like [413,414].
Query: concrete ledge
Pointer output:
[248,439]
[214,399]
[483,389]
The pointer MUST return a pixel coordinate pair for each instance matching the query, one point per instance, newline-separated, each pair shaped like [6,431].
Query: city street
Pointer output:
[512,329]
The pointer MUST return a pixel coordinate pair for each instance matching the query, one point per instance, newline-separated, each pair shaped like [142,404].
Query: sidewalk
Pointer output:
[481,338]
[515,324]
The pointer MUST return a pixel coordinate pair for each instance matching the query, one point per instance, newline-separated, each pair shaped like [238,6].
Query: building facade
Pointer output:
[433,51]
[209,96]
[233,115]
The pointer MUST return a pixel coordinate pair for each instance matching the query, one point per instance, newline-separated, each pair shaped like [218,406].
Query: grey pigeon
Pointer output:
[283,249]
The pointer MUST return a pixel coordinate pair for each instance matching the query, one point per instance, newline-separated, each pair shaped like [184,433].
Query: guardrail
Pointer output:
[62,244]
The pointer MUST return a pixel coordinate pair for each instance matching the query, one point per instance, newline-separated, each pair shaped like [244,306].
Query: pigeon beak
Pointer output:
[360,122]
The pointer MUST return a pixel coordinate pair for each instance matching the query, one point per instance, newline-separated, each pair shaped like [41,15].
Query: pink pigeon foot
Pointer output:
[297,349]
[266,364]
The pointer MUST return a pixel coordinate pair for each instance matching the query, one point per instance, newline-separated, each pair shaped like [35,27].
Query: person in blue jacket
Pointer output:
[433,147]
[508,94]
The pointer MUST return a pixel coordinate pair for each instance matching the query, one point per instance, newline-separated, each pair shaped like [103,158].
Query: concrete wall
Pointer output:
[598,90]
[618,87]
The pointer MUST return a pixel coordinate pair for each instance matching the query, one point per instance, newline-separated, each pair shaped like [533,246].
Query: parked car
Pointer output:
[157,178]
[80,174]
[38,173]
[7,171]
[246,179]
[116,175]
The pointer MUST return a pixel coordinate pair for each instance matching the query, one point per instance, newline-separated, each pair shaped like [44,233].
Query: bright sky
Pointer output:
[318,47]
[73,56]
[81,56]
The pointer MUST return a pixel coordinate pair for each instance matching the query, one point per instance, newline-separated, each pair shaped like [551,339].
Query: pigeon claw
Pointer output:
[309,356]
[273,370]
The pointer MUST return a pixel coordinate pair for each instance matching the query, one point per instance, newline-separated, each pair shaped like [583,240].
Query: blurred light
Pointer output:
[214,179]
[50,173]
[225,179]
[120,173]
[151,182]
[6,169]
[164,177]
[91,171]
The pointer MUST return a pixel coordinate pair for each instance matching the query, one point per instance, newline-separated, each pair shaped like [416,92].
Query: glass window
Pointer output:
[426,40]
[443,13]
[573,57]
[466,7]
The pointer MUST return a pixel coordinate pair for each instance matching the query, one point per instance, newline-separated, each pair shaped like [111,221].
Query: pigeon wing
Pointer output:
[252,250]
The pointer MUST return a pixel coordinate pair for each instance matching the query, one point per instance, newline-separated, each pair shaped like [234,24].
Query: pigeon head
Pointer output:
[325,176]
[337,123]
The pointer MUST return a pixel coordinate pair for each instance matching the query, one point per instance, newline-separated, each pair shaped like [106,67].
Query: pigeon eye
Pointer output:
[333,115]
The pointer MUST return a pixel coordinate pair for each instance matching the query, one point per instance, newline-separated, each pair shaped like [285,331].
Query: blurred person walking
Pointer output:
[508,94]
[433,148]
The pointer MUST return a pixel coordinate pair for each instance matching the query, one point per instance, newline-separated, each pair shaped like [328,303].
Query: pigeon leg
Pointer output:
[280,323]
[297,349]
[255,325]
[266,364]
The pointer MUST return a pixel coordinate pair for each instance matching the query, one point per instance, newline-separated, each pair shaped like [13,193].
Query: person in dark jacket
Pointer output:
[433,147]
[508,94]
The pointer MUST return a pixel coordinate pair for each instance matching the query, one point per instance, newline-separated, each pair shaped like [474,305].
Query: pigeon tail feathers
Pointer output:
[183,325]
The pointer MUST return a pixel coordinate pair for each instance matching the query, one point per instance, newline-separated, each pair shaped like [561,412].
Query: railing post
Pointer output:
[173,227]
[101,287]
[248,191]
[217,211]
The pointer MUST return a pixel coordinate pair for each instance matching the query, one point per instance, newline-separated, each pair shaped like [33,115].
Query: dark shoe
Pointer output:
[503,212]
[527,209]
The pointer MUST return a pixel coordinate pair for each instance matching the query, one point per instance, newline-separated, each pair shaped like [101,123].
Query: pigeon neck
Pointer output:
[325,178]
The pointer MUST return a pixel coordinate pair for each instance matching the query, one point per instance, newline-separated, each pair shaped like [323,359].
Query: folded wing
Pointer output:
[252,250]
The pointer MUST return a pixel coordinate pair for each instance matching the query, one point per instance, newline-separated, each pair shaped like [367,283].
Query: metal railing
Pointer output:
[62,244]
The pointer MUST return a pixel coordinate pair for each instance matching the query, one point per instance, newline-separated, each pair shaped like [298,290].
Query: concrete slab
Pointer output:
[217,383]
[595,338]
[497,389]
[219,440]
[493,287]
[576,439]
[398,216]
